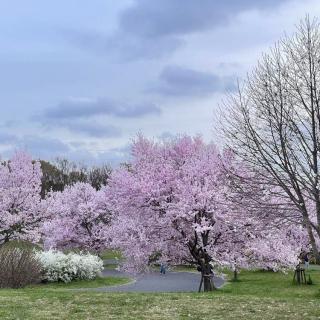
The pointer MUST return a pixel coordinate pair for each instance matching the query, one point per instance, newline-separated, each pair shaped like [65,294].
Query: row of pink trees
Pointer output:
[172,203]
[78,217]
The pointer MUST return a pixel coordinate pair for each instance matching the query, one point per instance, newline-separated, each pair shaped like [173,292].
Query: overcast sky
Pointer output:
[81,78]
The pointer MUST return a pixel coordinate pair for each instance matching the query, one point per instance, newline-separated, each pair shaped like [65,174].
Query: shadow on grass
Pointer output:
[83,284]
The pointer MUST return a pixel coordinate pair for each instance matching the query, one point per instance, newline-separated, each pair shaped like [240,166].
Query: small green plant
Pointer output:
[309,281]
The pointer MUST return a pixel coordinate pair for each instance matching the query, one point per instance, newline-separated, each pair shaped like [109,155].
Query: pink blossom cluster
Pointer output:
[21,210]
[79,218]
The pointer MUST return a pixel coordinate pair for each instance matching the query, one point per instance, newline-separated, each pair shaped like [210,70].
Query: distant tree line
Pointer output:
[60,173]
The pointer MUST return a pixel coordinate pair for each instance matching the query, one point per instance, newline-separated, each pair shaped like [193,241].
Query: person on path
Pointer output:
[162,268]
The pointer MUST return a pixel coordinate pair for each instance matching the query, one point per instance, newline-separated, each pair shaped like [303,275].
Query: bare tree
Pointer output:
[273,124]
[73,172]
[19,266]
[99,176]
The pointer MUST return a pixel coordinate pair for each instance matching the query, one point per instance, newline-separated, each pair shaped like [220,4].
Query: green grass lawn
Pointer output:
[258,295]
[111,266]
[111,254]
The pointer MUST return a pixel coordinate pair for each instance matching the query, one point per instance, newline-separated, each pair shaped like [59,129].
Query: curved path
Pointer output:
[156,282]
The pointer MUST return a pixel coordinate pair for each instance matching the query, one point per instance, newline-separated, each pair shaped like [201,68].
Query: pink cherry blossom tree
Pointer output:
[21,212]
[258,246]
[275,251]
[275,236]
[79,219]
[172,201]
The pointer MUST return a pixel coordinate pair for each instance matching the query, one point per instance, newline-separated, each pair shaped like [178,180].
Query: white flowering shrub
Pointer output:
[58,266]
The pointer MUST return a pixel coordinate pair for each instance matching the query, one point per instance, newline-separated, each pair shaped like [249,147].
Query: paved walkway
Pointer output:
[155,282]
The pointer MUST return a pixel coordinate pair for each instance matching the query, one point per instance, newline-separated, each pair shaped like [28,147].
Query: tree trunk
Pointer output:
[207,276]
[235,275]
[208,284]
[315,250]
[203,259]
[316,256]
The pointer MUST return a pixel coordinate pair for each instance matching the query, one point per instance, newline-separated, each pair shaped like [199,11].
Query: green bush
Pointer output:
[309,281]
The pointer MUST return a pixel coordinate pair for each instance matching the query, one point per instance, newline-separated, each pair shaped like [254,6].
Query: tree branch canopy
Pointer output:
[273,125]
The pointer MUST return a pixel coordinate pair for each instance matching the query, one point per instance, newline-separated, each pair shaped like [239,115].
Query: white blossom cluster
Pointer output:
[58,266]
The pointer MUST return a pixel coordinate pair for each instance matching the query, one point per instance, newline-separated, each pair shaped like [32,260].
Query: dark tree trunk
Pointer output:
[201,256]
[207,278]
[315,250]
[235,275]
[207,285]
[316,255]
